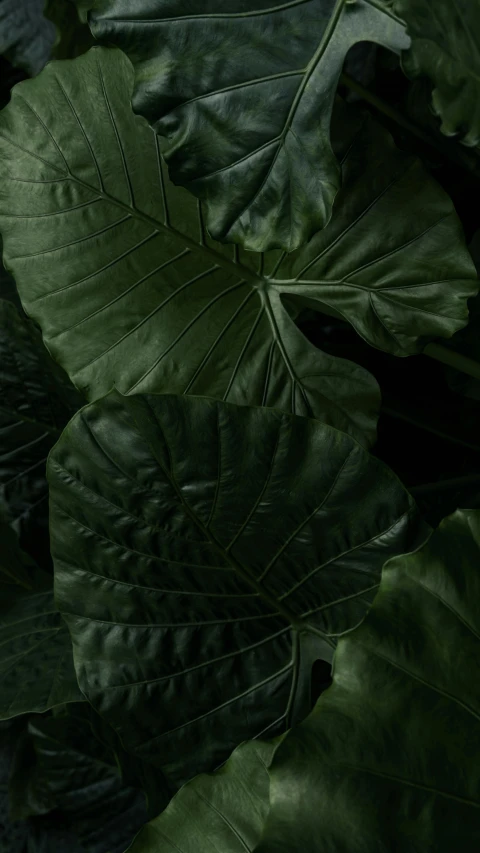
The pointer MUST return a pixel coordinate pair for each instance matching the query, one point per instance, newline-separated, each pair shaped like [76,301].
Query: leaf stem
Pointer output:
[453,359]
[443,147]
[455,482]
[419,424]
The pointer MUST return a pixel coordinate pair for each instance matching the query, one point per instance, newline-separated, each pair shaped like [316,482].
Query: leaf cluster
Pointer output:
[229,623]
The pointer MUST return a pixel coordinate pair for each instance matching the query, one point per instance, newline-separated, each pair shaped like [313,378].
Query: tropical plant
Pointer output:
[233,620]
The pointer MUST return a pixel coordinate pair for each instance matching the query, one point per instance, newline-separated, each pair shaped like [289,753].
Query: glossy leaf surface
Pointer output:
[391,751]
[446,47]
[36,663]
[204,558]
[223,811]
[243,90]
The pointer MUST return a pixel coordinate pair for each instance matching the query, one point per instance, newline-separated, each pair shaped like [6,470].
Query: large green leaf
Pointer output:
[446,46]
[36,401]
[390,755]
[243,90]
[222,812]
[60,765]
[127,291]
[36,663]
[26,37]
[205,556]
[130,292]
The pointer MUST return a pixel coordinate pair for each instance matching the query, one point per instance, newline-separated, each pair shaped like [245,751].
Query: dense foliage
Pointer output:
[239,426]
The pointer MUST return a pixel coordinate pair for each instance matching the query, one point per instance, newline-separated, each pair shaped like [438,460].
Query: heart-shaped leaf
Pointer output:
[390,755]
[205,558]
[128,290]
[26,36]
[445,46]
[36,401]
[184,314]
[244,91]
[230,808]
[36,663]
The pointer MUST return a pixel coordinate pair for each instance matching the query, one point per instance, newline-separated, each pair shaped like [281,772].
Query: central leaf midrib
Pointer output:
[238,268]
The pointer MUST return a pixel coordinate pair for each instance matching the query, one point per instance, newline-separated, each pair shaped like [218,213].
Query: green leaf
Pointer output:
[36,663]
[131,292]
[244,91]
[60,765]
[83,8]
[223,811]
[393,261]
[445,46]
[26,37]
[15,565]
[183,314]
[391,752]
[36,401]
[204,558]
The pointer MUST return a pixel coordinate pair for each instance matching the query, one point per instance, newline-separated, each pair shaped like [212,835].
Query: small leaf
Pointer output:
[204,558]
[390,755]
[445,46]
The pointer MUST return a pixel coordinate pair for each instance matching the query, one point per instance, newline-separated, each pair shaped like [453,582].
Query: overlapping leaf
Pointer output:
[26,36]
[243,90]
[445,46]
[390,755]
[36,663]
[133,293]
[36,401]
[204,558]
[129,290]
[230,808]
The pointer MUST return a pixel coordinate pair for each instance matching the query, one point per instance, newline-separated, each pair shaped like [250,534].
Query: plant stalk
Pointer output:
[455,482]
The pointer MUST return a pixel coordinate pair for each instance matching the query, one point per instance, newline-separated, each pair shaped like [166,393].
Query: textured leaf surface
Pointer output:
[36,401]
[223,811]
[36,663]
[26,37]
[446,47]
[133,292]
[62,766]
[243,90]
[129,290]
[391,751]
[204,558]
